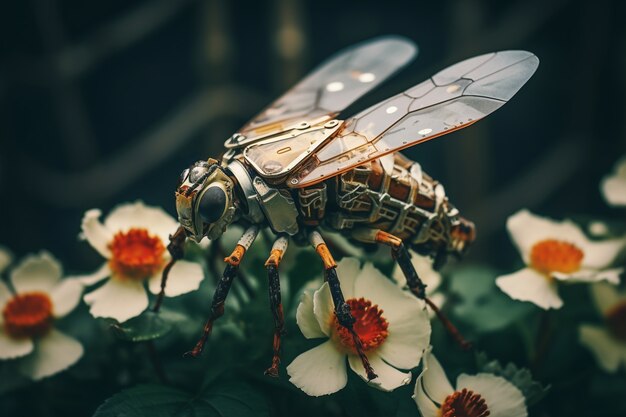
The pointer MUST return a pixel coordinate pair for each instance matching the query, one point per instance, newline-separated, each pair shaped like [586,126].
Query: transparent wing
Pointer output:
[331,87]
[452,99]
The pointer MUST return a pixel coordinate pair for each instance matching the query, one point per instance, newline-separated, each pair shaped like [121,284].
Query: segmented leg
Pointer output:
[272,263]
[342,309]
[401,255]
[176,248]
[223,286]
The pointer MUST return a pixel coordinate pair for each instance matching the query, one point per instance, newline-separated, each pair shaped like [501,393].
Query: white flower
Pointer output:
[607,342]
[613,187]
[478,395]
[39,297]
[432,279]
[133,239]
[392,324]
[555,251]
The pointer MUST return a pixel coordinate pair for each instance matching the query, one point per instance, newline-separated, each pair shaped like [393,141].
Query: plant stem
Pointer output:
[544,335]
[155,359]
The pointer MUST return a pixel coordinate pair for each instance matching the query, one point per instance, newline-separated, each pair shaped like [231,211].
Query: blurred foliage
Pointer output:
[522,378]
[481,304]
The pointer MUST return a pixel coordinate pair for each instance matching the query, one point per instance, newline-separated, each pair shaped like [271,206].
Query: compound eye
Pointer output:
[183,176]
[213,204]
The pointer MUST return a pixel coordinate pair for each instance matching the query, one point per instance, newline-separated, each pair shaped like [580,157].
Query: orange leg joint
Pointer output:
[327,258]
[236,256]
[276,255]
[388,239]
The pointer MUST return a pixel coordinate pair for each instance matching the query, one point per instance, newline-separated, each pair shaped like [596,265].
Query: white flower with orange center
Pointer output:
[613,187]
[479,395]
[555,252]
[392,324]
[432,279]
[38,298]
[133,239]
[607,342]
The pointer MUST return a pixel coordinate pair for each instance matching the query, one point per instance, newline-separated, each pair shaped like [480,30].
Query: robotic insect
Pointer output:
[299,170]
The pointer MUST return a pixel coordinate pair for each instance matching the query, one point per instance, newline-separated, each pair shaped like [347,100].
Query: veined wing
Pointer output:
[450,100]
[330,88]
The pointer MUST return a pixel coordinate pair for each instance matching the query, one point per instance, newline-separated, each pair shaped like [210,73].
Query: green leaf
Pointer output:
[482,304]
[159,401]
[520,377]
[147,326]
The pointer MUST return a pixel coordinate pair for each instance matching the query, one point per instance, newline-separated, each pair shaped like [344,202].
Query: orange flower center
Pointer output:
[552,255]
[370,326]
[136,254]
[464,403]
[28,315]
[616,321]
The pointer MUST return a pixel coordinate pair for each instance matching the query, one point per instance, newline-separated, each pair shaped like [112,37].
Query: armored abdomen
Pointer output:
[392,194]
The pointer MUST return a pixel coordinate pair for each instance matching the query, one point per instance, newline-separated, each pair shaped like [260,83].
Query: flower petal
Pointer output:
[405,344]
[184,277]
[101,273]
[601,254]
[607,351]
[323,309]
[36,273]
[503,398]
[407,340]
[527,229]
[305,317]
[613,187]
[118,299]
[5,296]
[96,233]
[434,379]
[425,405]
[397,305]
[438,299]
[614,191]
[389,378]
[589,275]
[605,296]
[54,353]
[347,271]
[11,348]
[65,297]
[530,285]
[319,371]
[424,267]
[138,215]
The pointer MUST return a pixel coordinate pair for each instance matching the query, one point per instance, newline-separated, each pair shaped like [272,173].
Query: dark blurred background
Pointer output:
[104,102]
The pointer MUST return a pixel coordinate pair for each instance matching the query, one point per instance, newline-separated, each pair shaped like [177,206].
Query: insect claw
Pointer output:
[272,371]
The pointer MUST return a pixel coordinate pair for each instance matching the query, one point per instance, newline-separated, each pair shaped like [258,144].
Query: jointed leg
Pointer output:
[223,286]
[342,309]
[176,248]
[415,284]
[278,250]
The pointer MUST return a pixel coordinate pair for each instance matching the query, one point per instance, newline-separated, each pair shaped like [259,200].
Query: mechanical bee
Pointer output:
[299,170]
